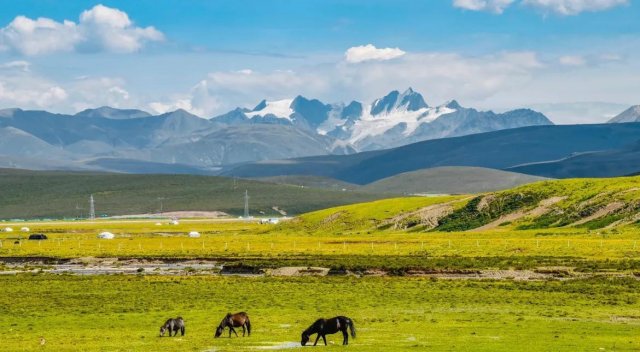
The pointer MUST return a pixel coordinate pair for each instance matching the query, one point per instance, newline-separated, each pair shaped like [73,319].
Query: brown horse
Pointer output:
[235,321]
[324,327]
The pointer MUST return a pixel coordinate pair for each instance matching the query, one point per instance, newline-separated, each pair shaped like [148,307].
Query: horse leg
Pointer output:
[243,330]
[234,331]
[324,337]
[317,338]
[345,337]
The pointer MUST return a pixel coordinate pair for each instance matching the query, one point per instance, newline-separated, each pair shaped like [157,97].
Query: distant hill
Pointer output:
[450,180]
[607,163]
[592,204]
[34,194]
[311,181]
[497,150]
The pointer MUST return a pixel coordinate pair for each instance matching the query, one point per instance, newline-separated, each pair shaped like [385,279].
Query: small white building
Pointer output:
[106,235]
[194,234]
[8,229]
[25,229]
[175,222]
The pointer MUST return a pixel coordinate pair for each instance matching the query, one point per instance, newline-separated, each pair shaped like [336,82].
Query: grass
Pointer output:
[397,312]
[123,313]
[266,245]
[34,194]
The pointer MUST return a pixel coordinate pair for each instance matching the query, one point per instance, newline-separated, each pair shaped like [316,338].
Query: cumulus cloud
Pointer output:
[573,7]
[100,28]
[495,6]
[19,88]
[370,52]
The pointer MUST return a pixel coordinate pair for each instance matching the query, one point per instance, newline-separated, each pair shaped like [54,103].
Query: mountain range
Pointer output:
[129,140]
[557,151]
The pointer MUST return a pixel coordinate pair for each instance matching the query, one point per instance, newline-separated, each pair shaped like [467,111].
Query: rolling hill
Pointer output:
[39,194]
[591,204]
[449,180]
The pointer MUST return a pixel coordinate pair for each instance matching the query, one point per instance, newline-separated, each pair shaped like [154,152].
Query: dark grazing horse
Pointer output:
[173,325]
[235,321]
[324,327]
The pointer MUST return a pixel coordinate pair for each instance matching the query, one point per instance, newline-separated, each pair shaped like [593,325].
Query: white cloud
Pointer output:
[561,7]
[572,60]
[99,29]
[91,92]
[20,90]
[440,76]
[573,7]
[495,6]
[370,52]
[20,65]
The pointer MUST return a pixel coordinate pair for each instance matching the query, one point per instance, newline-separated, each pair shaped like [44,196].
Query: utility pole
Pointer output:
[246,204]
[92,208]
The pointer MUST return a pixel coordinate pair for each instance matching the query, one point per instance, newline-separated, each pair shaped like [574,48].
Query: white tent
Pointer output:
[158,224]
[194,234]
[25,229]
[175,222]
[8,229]
[106,235]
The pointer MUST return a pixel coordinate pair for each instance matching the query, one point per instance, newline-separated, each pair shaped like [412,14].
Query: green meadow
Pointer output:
[123,313]
[551,266]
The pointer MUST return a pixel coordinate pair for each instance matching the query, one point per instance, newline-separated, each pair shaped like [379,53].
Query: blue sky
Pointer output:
[576,60]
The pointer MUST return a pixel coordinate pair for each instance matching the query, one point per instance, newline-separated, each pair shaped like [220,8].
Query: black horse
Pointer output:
[324,327]
[235,321]
[173,325]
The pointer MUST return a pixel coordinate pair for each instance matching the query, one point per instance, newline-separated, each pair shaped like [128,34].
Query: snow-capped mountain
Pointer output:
[632,114]
[119,140]
[393,120]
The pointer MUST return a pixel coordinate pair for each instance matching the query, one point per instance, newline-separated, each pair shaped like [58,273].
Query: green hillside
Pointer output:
[398,213]
[34,194]
[576,203]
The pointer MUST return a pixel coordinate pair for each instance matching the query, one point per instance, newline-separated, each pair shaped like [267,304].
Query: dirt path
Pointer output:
[608,209]
[543,207]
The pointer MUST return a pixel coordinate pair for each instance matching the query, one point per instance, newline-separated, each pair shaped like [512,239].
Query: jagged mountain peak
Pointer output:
[409,100]
[453,104]
[632,114]
[261,105]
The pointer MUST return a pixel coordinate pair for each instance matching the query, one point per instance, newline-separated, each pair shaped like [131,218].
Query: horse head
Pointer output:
[219,330]
[305,338]
[162,330]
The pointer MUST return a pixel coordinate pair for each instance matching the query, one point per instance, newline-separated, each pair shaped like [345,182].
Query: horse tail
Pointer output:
[248,322]
[352,327]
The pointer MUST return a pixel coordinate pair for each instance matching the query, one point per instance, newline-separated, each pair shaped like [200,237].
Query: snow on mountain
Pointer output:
[393,120]
[279,108]
[630,115]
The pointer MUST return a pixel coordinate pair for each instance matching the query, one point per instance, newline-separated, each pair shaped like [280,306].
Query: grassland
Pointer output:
[33,194]
[384,254]
[123,313]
